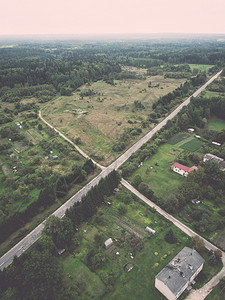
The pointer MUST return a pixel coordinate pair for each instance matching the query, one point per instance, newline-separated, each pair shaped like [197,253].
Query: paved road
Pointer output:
[206,289]
[33,236]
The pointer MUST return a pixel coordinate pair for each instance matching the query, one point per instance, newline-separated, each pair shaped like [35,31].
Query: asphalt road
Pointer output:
[206,289]
[33,236]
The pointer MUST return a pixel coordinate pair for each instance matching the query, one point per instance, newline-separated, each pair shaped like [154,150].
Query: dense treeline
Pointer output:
[82,211]
[30,71]
[38,273]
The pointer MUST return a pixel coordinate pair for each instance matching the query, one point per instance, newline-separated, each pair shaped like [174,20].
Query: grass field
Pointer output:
[157,177]
[216,124]
[100,119]
[200,67]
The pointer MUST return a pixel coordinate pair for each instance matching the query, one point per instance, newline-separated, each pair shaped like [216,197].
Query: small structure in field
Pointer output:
[179,274]
[191,130]
[127,267]
[150,230]
[209,156]
[61,251]
[55,157]
[197,136]
[108,243]
[181,169]
[12,155]
[215,143]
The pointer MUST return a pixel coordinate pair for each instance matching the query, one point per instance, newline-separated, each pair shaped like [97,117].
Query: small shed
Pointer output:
[215,143]
[108,243]
[127,267]
[55,157]
[197,136]
[61,251]
[150,230]
[190,130]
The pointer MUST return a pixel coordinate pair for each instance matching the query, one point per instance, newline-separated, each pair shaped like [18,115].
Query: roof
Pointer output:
[213,157]
[182,167]
[181,268]
[108,242]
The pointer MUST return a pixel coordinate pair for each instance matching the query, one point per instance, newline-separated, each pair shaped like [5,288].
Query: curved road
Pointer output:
[33,236]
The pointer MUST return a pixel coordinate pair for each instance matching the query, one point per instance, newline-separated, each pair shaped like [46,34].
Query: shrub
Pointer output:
[169,237]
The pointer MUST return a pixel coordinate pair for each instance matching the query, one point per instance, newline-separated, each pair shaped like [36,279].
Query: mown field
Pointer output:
[111,281]
[216,124]
[160,178]
[99,119]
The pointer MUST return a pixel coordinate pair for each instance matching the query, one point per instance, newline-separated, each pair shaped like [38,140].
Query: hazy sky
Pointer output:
[111,16]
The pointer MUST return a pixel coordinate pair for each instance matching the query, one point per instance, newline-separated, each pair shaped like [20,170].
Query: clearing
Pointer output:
[99,119]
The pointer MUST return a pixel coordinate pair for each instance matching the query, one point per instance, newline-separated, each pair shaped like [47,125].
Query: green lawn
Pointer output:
[216,124]
[200,67]
[216,294]
[161,179]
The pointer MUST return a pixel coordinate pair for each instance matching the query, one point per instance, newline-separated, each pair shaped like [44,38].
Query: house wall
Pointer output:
[179,171]
[164,290]
[196,273]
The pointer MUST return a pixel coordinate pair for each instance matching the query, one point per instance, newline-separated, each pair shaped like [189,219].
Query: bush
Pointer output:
[169,237]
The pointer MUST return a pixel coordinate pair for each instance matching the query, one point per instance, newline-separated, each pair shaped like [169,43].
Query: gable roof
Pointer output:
[182,167]
[181,268]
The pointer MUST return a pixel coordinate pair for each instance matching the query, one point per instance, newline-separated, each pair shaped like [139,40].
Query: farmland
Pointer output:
[101,118]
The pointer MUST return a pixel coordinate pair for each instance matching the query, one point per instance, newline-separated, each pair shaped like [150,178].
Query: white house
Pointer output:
[178,275]
[209,156]
[108,243]
[181,169]
[150,230]
[215,143]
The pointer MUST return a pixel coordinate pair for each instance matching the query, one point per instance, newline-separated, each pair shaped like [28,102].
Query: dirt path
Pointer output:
[127,227]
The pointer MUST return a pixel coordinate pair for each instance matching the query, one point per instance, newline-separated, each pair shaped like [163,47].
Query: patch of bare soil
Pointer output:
[5,170]
[31,138]
[128,228]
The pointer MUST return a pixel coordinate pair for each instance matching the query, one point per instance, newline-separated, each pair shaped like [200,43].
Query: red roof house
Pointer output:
[181,169]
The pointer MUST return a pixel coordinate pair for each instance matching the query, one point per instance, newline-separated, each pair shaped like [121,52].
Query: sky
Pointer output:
[111,16]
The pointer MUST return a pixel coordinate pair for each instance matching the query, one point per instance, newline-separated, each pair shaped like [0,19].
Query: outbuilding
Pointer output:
[108,243]
[150,230]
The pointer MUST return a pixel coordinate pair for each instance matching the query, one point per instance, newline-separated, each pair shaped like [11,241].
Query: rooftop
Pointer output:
[181,268]
[182,167]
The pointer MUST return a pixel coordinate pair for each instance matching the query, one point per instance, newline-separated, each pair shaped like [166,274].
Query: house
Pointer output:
[190,130]
[179,274]
[150,230]
[108,243]
[209,156]
[181,169]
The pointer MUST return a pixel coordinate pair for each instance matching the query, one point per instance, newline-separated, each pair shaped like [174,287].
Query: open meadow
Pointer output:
[100,118]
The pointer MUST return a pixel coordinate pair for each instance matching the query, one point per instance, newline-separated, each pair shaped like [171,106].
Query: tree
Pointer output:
[187,192]
[99,239]
[169,237]
[145,190]
[42,276]
[196,176]
[198,243]
[40,127]
[61,230]
[171,204]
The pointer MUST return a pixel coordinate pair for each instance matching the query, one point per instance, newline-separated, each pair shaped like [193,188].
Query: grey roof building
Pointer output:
[173,280]
[210,156]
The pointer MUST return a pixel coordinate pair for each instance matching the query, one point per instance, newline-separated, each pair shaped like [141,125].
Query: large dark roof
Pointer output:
[179,271]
